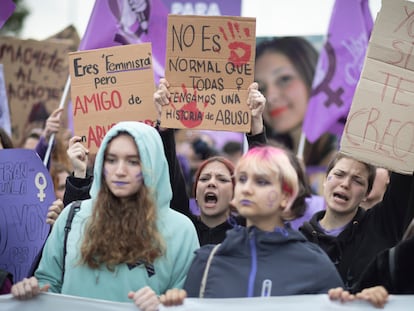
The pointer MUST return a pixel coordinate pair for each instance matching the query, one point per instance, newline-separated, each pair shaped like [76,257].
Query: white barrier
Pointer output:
[48,301]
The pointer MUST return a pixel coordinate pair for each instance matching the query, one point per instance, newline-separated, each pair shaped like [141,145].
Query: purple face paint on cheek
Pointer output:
[105,172]
[271,199]
[329,178]
[139,176]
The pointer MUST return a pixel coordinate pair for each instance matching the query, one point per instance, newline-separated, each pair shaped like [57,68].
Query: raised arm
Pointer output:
[256,102]
[180,199]
[77,185]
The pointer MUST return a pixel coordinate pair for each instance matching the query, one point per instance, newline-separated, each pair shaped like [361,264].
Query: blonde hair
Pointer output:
[269,160]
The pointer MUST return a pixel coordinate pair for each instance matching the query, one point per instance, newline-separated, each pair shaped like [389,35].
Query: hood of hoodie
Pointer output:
[153,162]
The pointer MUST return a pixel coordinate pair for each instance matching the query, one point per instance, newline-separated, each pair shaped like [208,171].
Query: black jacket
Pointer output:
[393,269]
[369,232]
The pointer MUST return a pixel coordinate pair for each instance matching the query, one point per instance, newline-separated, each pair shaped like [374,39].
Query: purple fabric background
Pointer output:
[339,68]
[104,25]
[7,9]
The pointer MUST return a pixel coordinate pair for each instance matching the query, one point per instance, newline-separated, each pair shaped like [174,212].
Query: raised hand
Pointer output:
[256,102]
[78,155]
[52,124]
[54,211]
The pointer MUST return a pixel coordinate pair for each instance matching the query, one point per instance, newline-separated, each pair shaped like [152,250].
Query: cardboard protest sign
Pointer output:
[380,124]
[26,192]
[111,85]
[209,65]
[35,73]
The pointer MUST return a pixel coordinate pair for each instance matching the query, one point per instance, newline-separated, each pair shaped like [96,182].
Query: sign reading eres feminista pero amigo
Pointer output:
[380,124]
[209,65]
[108,86]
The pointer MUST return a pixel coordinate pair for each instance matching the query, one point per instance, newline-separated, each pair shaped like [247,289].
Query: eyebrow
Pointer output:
[345,172]
[216,174]
[127,156]
[282,70]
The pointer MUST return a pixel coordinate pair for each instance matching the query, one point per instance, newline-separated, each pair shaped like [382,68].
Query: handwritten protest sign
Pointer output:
[35,73]
[26,192]
[380,124]
[209,65]
[111,85]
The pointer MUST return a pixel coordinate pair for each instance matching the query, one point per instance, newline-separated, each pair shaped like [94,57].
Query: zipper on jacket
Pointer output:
[253,265]
[267,288]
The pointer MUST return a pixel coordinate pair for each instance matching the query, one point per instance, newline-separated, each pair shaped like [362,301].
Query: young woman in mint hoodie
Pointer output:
[126,238]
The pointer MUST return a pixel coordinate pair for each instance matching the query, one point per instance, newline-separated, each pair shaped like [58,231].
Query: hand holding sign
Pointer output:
[209,66]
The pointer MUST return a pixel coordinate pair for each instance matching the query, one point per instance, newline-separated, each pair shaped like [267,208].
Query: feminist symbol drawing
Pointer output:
[333,97]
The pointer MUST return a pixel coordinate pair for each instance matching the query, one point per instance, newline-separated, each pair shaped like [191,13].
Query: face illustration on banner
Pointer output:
[26,189]
[133,19]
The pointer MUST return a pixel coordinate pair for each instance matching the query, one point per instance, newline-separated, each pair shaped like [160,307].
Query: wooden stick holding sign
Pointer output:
[380,124]
[209,65]
[108,86]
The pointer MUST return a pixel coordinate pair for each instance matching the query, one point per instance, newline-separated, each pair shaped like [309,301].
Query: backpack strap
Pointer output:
[206,269]
[75,207]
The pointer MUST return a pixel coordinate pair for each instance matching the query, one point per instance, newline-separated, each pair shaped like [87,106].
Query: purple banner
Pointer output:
[7,9]
[26,192]
[339,68]
[204,7]
[4,105]
[120,22]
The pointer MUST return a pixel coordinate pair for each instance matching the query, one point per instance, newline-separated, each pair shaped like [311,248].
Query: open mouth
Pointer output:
[340,196]
[210,198]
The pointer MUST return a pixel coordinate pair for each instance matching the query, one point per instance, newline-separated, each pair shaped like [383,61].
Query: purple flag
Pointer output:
[7,9]
[339,68]
[119,22]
